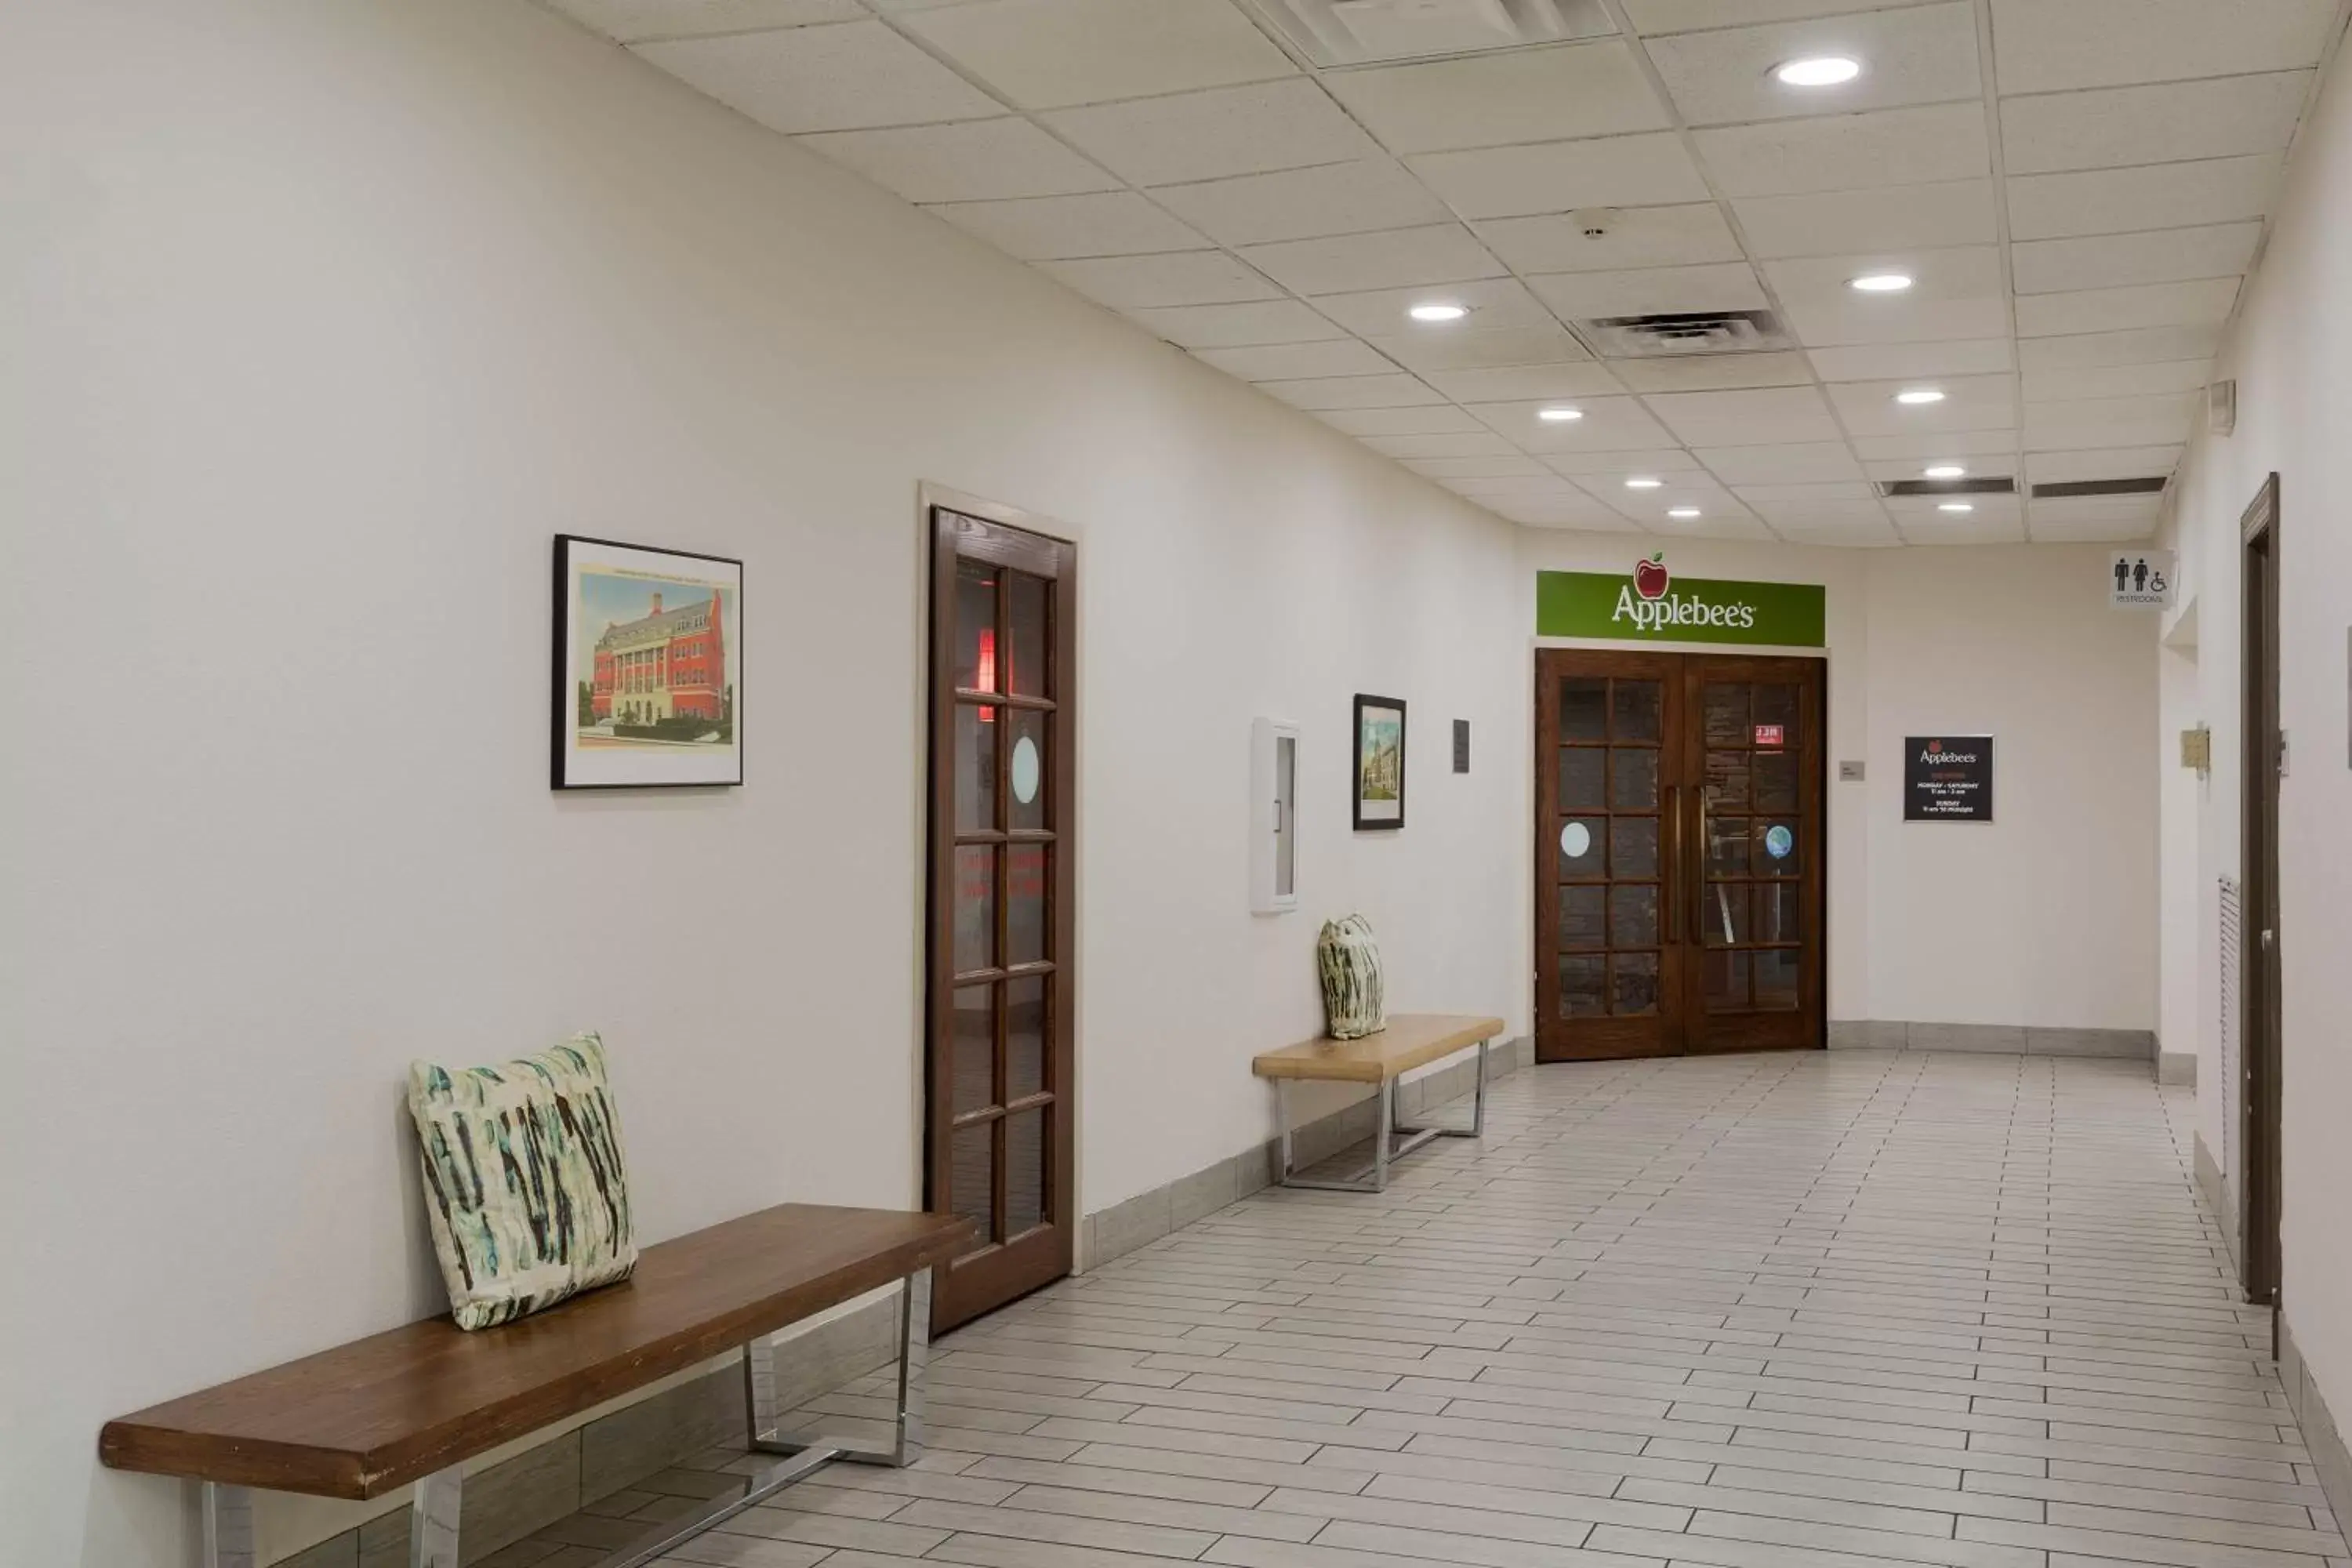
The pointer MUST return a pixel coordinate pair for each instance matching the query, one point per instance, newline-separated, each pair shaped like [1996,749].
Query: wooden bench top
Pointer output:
[373,1415]
[1411,1040]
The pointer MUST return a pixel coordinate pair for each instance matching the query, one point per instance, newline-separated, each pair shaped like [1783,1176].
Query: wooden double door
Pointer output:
[1679,853]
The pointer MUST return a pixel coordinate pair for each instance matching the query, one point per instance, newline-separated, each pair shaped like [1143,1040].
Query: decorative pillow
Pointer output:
[523,1179]
[1355,1002]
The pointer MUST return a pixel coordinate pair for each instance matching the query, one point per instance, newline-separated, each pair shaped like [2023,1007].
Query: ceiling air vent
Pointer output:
[1377,32]
[1891,488]
[1683,333]
[2076,488]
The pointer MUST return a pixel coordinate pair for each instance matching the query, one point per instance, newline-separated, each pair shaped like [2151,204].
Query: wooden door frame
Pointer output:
[2262,752]
[950,1305]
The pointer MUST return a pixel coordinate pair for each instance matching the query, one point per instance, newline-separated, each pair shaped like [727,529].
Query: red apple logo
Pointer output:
[1650,577]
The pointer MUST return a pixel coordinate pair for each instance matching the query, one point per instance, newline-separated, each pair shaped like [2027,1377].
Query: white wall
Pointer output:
[322,321]
[2288,351]
[2046,917]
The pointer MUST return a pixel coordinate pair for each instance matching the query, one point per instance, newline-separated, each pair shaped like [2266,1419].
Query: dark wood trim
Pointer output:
[2260,1031]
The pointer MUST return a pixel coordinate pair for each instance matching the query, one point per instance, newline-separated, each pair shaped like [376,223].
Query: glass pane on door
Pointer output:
[1750,890]
[1608,833]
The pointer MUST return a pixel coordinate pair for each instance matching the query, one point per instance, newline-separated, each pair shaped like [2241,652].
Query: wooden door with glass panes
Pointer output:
[1679,902]
[1000,1136]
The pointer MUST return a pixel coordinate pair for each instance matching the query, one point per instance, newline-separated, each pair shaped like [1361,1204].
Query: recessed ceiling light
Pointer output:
[1558,415]
[1682,511]
[1955,506]
[1881,282]
[1818,70]
[1643,482]
[1914,396]
[1438,311]
[1946,471]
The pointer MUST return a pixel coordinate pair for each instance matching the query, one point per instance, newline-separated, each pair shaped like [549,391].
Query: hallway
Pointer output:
[1816,1310]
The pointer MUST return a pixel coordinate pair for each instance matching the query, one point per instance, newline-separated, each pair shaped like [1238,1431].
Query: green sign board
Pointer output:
[1648,605]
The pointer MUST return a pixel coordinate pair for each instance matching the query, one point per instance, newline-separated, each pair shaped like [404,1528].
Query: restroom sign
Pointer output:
[2140,580]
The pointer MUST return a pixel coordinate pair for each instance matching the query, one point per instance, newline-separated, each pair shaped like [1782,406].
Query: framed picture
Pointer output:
[1380,762]
[648,666]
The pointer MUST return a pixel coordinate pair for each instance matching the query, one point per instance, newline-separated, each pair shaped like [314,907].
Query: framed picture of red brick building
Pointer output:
[648,666]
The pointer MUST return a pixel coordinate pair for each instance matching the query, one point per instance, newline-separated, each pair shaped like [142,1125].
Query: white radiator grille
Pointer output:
[2229,934]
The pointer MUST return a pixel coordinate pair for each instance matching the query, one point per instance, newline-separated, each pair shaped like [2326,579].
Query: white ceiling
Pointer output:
[2078,188]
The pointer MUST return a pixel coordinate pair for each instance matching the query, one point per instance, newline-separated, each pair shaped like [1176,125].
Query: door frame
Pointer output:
[2261,760]
[951,1305]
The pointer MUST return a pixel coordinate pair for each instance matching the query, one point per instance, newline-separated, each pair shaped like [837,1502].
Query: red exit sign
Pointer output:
[1771,735]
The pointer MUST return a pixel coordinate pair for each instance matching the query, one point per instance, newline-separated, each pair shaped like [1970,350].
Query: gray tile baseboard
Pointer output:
[1998,1039]
[2321,1434]
[2176,1069]
[1146,1217]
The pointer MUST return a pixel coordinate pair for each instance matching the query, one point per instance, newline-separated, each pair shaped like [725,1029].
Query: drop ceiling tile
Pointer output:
[1848,151]
[1209,135]
[1661,461]
[1687,236]
[2158,420]
[1395,389]
[1959,272]
[2039,47]
[2172,123]
[1357,197]
[2161,196]
[1890,362]
[2146,345]
[1935,445]
[1979,530]
[1512,384]
[1564,176]
[1715,373]
[1493,303]
[1513,485]
[2113,260]
[2095,520]
[987,159]
[1609,425]
[1435,419]
[1711,524]
[1058,228]
[1236,326]
[1580,515]
[1395,258]
[2202,303]
[1824,323]
[1296,362]
[898,7]
[1183,278]
[1971,402]
[1681,490]
[1467,444]
[1999,466]
[2101,463]
[1582,296]
[1050,54]
[1511,466]
[1823,502]
[1903,218]
[1654,17]
[1795,463]
[633,21]
[848,77]
[1916,54]
[1862,534]
[1928,510]
[1774,415]
[1482,348]
[2117,380]
[1506,97]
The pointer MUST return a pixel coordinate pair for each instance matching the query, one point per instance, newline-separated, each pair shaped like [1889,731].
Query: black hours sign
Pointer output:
[1947,778]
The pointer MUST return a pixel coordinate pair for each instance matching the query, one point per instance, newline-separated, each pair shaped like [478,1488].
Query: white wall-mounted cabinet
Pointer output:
[1273,816]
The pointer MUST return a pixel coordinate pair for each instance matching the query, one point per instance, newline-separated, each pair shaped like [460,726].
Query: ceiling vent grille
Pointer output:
[1988,487]
[2078,488]
[1379,32]
[1683,333]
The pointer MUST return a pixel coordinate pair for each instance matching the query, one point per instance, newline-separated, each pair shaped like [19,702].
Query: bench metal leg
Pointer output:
[1392,1140]
[228,1527]
[905,1444]
[433,1519]
[1477,1127]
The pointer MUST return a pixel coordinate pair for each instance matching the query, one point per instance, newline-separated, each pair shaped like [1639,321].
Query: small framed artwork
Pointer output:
[648,666]
[1380,763]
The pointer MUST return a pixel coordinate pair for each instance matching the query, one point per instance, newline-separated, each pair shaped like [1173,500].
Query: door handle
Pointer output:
[1672,871]
[1698,879]
[2267,938]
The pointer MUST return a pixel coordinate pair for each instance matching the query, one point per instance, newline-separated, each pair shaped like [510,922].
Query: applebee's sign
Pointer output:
[1651,605]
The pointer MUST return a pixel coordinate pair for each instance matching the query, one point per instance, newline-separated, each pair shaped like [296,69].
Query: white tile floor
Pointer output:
[1817,1310]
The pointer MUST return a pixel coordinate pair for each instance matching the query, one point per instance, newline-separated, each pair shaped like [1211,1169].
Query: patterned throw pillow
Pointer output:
[523,1179]
[1355,1002]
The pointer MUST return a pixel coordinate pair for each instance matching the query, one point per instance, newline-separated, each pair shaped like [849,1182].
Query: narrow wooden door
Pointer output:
[999,1057]
[2260,1102]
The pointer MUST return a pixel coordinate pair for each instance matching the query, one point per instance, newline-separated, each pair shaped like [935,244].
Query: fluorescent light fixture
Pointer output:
[1682,511]
[1914,397]
[1818,70]
[1955,506]
[1559,416]
[1946,471]
[1438,311]
[1880,282]
[1643,482]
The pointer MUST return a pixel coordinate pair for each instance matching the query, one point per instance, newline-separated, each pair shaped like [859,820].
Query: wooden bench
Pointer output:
[1411,1040]
[411,1405]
